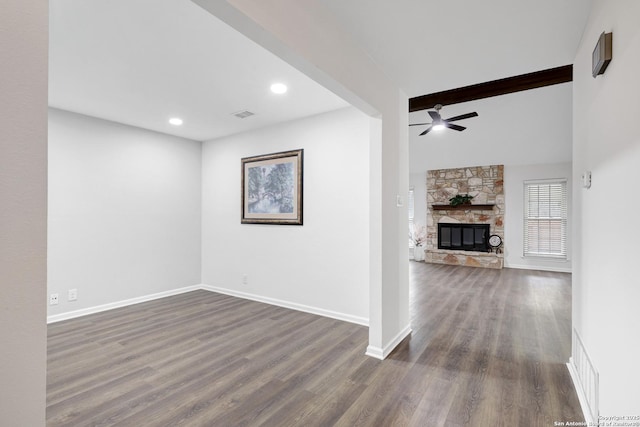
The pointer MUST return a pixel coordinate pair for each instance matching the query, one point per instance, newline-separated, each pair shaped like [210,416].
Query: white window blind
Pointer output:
[411,209]
[545,218]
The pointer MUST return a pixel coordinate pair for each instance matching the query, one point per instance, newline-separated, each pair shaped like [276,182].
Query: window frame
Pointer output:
[557,212]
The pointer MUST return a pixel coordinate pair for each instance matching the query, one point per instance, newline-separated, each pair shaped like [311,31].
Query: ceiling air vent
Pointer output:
[243,114]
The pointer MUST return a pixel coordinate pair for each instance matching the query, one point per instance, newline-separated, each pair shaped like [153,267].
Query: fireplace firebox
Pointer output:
[463,237]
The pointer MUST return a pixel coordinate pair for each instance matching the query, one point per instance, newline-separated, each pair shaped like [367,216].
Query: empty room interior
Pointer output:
[439,253]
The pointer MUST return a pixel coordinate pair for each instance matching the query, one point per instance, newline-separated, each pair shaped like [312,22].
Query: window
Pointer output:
[545,218]
[411,209]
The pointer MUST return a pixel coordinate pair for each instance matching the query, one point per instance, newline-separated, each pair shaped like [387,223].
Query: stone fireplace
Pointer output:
[462,236]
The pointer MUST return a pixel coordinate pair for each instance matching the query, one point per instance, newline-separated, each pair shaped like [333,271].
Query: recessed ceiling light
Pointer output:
[278,88]
[176,121]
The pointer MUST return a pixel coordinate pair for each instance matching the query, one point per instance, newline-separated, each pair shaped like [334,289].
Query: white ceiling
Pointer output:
[429,46]
[140,62]
[530,127]
[433,45]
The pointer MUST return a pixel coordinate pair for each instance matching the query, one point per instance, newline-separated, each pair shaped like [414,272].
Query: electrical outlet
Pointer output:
[53,299]
[245,279]
[73,294]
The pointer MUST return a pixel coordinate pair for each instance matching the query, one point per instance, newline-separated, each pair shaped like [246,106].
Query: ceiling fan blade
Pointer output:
[455,127]
[426,131]
[434,115]
[463,116]
[418,124]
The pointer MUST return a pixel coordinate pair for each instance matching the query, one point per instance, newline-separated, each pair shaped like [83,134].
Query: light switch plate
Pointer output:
[586,179]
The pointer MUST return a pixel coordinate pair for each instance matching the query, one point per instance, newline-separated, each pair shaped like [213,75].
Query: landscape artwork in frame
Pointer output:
[272,188]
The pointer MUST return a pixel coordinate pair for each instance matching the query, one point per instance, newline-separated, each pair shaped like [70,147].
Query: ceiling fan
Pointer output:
[439,123]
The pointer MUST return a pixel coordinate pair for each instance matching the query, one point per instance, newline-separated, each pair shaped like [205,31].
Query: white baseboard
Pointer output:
[375,352]
[538,267]
[99,308]
[382,353]
[291,305]
[286,304]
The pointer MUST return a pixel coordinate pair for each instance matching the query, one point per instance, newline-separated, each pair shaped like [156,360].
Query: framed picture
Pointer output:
[272,188]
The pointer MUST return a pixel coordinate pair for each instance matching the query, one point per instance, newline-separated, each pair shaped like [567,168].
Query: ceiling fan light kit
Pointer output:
[438,123]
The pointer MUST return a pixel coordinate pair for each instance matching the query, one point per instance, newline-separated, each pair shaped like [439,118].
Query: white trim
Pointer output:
[291,305]
[582,398]
[118,304]
[546,181]
[382,353]
[539,267]
[375,352]
[280,303]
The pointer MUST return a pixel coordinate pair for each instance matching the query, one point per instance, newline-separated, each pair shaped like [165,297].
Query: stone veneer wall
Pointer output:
[486,184]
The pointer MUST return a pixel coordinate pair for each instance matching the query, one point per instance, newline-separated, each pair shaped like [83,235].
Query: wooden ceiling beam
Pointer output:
[528,81]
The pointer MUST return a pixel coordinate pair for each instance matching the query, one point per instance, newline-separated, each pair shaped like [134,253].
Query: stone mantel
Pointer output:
[470,207]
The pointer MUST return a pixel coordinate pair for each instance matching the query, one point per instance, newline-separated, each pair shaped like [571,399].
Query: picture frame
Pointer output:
[272,188]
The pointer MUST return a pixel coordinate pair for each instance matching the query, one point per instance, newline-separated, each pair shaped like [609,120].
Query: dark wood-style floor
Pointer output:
[488,349]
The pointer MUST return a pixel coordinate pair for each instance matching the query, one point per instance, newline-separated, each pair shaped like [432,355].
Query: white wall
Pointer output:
[23,212]
[514,177]
[309,37]
[419,183]
[607,142]
[322,265]
[124,211]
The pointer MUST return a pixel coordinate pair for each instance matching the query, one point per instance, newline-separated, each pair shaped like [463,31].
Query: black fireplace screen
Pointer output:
[464,237]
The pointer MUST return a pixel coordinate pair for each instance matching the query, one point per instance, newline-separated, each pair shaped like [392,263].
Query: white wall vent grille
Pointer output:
[243,114]
[585,379]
